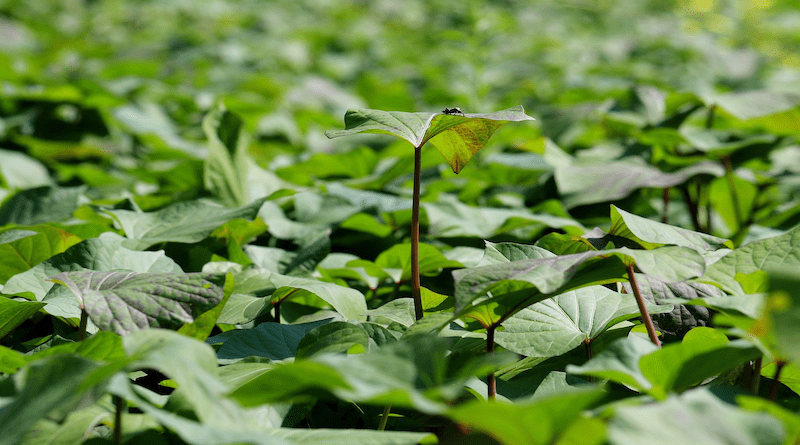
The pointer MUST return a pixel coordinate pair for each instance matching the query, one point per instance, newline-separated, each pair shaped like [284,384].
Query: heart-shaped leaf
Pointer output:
[559,324]
[127,301]
[456,135]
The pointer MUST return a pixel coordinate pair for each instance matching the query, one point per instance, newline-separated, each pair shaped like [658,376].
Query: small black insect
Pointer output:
[454,110]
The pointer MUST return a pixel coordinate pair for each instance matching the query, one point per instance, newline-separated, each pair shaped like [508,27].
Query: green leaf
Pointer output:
[703,353]
[415,372]
[101,254]
[182,222]
[694,417]
[721,198]
[272,340]
[395,262]
[450,218]
[14,312]
[326,436]
[554,275]
[609,181]
[647,232]
[74,429]
[193,366]
[203,324]
[20,171]
[49,387]
[457,136]
[753,104]
[541,421]
[337,336]
[682,318]
[21,253]
[41,205]
[783,310]
[225,168]
[127,301]
[559,324]
[350,303]
[734,271]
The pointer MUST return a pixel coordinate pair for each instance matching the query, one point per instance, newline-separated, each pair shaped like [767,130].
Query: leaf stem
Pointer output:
[415,284]
[773,389]
[693,210]
[384,417]
[755,383]
[82,326]
[666,205]
[118,406]
[648,322]
[491,383]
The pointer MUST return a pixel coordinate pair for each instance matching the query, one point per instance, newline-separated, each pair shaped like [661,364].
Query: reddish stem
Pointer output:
[773,389]
[491,383]
[648,322]
[415,284]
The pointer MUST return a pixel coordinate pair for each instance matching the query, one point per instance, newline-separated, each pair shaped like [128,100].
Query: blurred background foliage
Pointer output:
[90,88]
[307,61]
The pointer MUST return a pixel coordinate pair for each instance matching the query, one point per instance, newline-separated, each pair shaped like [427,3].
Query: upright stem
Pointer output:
[385,417]
[666,205]
[693,210]
[773,389]
[755,383]
[415,285]
[118,406]
[587,348]
[82,326]
[491,383]
[648,322]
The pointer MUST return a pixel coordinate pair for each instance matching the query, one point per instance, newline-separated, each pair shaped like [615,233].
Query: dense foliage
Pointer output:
[185,258]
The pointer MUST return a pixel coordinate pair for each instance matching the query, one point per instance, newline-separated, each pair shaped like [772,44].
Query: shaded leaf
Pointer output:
[14,312]
[272,340]
[40,205]
[337,336]
[540,421]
